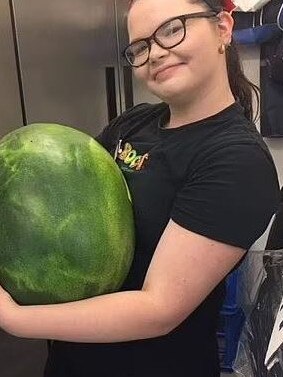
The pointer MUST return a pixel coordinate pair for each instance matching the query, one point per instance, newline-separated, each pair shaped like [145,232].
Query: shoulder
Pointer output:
[243,154]
[230,195]
[236,141]
[129,119]
[139,113]
[242,169]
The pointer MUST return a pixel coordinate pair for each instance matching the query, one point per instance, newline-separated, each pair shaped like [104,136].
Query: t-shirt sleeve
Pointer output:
[230,196]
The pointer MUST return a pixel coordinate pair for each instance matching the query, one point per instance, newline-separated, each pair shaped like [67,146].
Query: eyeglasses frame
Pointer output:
[183,18]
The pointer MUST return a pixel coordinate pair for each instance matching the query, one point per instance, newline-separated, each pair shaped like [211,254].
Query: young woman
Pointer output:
[204,188]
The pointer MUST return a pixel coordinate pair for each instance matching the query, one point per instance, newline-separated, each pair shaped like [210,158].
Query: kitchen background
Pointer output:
[60,63]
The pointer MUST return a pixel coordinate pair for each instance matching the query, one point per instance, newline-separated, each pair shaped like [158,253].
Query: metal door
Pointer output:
[18,358]
[10,105]
[68,53]
[62,66]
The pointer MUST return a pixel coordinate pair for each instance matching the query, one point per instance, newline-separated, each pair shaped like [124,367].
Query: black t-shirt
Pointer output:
[214,177]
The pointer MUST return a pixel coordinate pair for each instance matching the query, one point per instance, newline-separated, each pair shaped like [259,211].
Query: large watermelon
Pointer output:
[66,221]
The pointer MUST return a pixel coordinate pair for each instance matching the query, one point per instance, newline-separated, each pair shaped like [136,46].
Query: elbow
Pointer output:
[165,328]
[171,326]
[165,316]
[167,322]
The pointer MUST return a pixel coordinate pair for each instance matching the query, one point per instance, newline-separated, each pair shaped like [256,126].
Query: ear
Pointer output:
[225,27]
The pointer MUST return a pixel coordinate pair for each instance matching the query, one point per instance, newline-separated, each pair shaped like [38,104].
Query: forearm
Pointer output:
[110,318]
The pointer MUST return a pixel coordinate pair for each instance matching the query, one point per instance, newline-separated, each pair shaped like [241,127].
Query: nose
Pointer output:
[157,52]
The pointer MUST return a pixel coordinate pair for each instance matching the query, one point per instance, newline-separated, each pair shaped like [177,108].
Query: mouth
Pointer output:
[166,72]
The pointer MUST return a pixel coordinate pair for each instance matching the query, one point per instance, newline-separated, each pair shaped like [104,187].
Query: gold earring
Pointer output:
[222,49]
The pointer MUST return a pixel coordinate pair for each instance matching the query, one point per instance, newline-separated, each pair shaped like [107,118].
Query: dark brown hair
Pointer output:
[242,88]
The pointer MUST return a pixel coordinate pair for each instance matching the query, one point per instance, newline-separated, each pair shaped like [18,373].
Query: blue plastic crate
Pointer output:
[229,330]
[230,303]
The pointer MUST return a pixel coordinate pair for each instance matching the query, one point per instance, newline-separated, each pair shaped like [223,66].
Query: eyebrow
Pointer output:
[192,15]
[162,23]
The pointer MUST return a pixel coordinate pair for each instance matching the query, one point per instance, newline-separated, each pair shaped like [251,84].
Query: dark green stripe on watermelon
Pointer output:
[66,226]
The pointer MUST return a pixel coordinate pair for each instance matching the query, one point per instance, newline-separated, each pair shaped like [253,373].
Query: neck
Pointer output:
[200,106]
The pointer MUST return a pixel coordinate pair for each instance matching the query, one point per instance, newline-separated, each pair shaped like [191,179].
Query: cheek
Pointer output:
[201,56]
[141,73]
[197,48]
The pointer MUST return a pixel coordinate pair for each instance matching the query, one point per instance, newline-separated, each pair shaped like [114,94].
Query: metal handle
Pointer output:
[111,92]
[128,87]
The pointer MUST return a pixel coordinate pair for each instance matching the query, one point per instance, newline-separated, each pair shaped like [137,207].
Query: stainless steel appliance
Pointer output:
[60,62]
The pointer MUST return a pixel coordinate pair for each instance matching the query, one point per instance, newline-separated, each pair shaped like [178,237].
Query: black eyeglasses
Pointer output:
[168,35]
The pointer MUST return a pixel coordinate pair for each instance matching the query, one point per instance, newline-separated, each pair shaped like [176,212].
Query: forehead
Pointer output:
[146,15]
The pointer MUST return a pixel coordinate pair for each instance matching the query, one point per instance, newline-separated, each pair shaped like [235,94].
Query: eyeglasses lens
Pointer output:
[171,33]
[167,36]
[137,53]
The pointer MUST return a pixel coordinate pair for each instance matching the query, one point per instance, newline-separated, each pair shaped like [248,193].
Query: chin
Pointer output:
[172,91]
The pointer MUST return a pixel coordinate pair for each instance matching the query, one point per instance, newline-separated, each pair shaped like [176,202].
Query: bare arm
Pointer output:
[185,268]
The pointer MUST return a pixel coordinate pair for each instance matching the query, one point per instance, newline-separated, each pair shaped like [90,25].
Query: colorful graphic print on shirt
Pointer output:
[131,157]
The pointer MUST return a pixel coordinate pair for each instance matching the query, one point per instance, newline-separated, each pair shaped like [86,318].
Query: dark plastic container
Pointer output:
[229,330]
[230,303]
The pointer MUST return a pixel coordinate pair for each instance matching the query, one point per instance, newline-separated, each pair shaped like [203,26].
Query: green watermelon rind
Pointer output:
[60,210]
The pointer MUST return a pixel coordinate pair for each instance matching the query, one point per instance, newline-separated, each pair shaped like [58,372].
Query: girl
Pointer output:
[204,189]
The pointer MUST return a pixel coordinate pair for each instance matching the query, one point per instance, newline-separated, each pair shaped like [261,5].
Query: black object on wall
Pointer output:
[111,93]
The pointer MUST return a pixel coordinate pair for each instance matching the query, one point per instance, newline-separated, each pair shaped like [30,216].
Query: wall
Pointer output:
[251,62]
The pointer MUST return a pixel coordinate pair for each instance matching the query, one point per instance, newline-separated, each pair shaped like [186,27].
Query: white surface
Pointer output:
[250,5]
[251,62]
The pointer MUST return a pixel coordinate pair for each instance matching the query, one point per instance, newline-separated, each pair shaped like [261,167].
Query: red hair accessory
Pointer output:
[228,5]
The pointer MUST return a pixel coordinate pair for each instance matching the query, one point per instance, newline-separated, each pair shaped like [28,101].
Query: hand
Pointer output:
[8,309]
